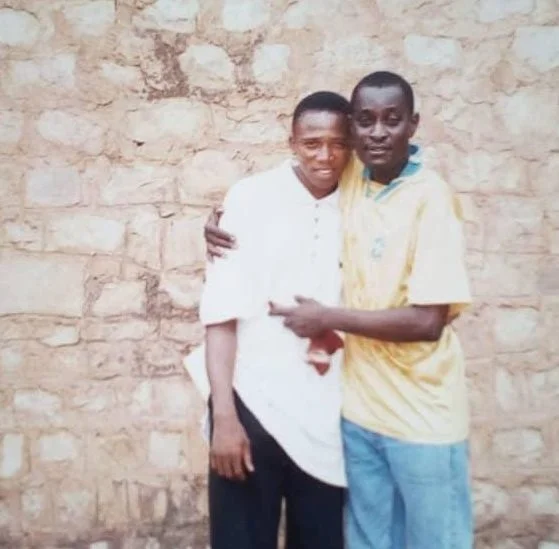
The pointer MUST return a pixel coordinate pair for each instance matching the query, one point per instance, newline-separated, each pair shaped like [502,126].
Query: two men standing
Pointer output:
[404,401]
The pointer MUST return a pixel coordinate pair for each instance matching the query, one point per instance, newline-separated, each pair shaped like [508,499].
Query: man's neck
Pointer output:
[316,193]
[385,177]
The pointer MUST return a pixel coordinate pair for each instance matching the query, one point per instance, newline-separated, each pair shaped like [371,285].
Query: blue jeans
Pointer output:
[403,495]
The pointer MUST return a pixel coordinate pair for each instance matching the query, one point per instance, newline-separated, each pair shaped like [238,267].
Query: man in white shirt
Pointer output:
[275,420]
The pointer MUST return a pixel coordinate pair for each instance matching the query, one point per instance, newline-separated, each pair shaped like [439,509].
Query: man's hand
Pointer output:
[217,240]
[230,454]
[305,319]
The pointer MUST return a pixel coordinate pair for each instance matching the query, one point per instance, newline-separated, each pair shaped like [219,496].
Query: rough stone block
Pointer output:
[543,387]
[144,238]
[429,51]
[12,455]
[183,291]
[24,234]
[57,73]
[37,402]
[41,285]
[183,331]
[59,447]
[493,10]
[34,505]
[184,244]
[93,18]
[161,358]
[517,329]
[75,508]
[169,15]
[116,453]
[206,177]
[138,184]
[515,225]
[71,130]
[529,127]
[509,389]
[18,28]
[538,46]
[490,502]
[164,450]
[244,15]
[207,66]
[120,298]
[11,126]
[84,233]
[10,188]
[167,126]
[109,360]
[271,63]
[62,336]
[122,76]
[172,398]
[53,184]
[96,330]
[11,359]
[525,446]
[541,500]
[354,53]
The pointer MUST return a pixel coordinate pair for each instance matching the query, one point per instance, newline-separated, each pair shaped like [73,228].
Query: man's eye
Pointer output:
[364,122]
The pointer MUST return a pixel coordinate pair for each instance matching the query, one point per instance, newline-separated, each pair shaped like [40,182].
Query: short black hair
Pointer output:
[322,101]
[384,79]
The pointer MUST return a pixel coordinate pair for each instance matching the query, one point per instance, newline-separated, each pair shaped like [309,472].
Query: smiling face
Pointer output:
[320,142]
[382,126]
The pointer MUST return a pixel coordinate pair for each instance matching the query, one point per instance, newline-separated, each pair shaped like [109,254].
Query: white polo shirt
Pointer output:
[289,244]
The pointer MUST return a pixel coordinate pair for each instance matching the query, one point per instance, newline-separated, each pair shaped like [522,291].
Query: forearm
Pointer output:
[221,350]
[404,324]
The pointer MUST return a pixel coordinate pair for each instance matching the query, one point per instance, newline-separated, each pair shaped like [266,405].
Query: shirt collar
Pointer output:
[412,166]
[297,192]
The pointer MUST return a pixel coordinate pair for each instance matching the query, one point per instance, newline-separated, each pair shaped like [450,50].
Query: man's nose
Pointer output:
[324,153]
[378,131]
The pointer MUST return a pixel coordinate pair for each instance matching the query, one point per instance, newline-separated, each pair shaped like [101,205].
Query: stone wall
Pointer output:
[123,121]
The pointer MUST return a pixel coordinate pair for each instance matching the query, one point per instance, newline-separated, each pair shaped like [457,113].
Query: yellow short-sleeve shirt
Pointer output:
[404,246]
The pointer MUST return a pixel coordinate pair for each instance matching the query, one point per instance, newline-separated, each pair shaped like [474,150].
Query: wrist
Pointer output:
[223,407]
[327,318]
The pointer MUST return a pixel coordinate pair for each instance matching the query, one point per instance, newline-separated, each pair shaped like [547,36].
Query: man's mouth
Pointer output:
[324,171]
[378,150]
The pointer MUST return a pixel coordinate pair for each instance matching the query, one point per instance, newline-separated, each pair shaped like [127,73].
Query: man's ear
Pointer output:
[291,141]
[414,124]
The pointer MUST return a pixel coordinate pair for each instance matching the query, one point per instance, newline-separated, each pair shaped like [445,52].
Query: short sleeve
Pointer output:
[235,286]
[438,272]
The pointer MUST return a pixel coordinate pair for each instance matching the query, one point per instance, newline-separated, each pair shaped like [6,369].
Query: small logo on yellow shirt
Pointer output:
[377,249]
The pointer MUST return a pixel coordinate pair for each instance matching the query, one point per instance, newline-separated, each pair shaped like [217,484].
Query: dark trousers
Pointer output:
[246,515]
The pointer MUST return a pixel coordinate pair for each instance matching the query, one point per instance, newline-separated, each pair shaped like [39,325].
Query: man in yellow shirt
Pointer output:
[405,410]
[405,413]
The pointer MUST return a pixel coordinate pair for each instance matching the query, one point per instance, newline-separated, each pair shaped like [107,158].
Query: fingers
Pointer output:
[300,299]
[235,465]
[247,459]
[214,251]
[278,310]
[229,466]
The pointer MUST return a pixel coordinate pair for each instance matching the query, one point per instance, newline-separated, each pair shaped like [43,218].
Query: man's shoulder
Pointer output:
[429,184]
[258,186]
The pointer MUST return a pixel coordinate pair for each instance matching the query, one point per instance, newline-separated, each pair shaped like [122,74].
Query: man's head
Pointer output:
[320,140]
[383,122]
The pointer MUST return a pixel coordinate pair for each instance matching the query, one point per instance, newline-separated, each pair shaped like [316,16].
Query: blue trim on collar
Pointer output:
[412,167]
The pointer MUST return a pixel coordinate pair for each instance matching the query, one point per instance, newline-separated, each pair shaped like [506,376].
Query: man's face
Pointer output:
[320,141]
[382,126]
